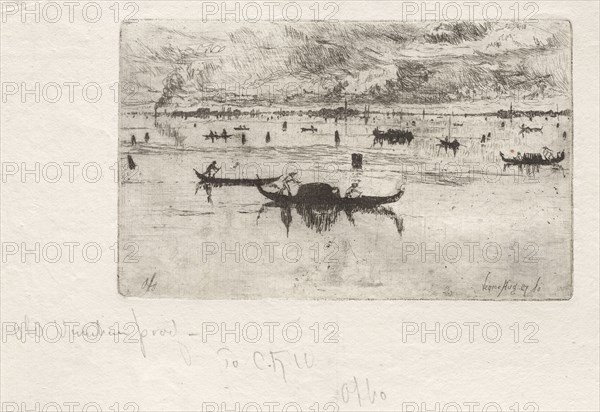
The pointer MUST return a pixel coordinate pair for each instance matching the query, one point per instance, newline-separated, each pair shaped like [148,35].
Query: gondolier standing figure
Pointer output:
[290,178]
[212,169]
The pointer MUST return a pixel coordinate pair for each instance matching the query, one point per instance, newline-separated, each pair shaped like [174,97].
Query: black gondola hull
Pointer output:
[333,201]
[234,182]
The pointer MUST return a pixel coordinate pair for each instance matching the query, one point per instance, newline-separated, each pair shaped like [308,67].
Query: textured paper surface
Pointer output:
[193,354]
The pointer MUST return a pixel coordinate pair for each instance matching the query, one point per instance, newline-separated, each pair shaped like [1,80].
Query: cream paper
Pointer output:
[73,338]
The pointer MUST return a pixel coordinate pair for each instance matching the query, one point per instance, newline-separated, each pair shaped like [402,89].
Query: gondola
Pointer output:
[322,194]
[241,128]
[234,182]
[539,160]
[308,129]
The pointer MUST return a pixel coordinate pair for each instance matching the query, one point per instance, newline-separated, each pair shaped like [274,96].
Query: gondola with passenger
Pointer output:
[322,194]
[533,159]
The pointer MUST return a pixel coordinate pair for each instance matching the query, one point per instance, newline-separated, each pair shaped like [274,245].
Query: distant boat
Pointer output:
[322,194]
[235,182]
[241,128]
[392,136]
[533,159]
[527,129]
[308,129]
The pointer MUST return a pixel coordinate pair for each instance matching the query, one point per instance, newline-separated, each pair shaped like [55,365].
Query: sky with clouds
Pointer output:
[186,63]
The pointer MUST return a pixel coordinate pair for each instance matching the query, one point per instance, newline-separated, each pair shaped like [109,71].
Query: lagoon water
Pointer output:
[465,227]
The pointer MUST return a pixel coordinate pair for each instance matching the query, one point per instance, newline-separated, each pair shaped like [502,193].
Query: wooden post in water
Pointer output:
[357,160]
[345,109]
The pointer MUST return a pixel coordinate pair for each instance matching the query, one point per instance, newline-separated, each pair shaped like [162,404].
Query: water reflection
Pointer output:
[207,188]
[321,218]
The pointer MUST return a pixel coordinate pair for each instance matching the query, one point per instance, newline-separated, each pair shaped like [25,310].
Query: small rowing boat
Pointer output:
[241,128]
[322,194]
[308,129]
[235,182]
